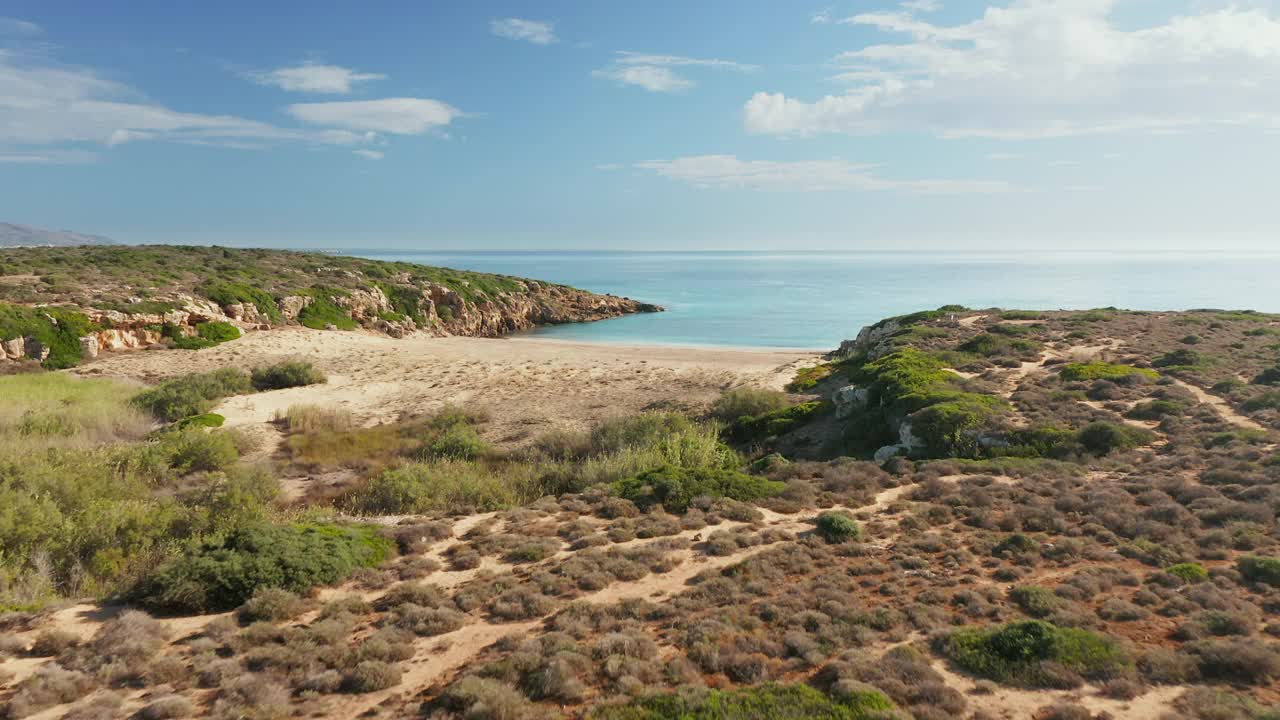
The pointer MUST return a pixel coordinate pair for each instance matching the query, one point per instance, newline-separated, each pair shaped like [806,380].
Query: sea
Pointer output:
[814,300]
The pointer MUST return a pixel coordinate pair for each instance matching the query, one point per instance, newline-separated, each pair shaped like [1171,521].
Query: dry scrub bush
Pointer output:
[51,684]
[166,707]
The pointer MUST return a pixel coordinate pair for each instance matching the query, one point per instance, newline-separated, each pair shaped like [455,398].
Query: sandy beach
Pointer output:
[527,385]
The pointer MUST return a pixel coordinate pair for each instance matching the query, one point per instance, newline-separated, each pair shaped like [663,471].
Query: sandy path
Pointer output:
[1222,407]
[528,385]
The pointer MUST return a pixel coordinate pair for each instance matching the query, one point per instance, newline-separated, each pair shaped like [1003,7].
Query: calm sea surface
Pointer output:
[812,300]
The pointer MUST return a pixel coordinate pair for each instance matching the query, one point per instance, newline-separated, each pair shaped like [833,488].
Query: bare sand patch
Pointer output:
[527,385]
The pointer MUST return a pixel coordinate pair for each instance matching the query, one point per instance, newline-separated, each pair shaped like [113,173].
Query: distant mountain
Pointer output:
[13,235]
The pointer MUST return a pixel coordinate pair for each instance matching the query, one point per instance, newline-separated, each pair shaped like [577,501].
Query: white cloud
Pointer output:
[653,79]
[397,116]
[654,73]
[729,172]
[313,78]
[56,109]
[49,156]
[14,26]
[1003,156]
[535,31]
[370,154]
[1045,68]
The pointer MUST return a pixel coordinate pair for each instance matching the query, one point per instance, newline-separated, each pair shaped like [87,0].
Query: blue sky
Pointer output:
[744,124]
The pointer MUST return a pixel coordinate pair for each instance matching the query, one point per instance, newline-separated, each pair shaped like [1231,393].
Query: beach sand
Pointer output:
[527,385]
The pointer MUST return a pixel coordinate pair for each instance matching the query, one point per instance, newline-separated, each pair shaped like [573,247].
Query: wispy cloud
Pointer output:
[51,112]
[729,172]
[1084,73]
[370,154]
[538,32]
[50,156]
[396,116]
[313,78]
[14,26]
[654,72]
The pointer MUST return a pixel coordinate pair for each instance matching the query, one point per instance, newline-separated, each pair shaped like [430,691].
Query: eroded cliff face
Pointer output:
[442,311]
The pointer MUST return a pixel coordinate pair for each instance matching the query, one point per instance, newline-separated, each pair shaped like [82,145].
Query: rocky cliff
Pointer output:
[334,293]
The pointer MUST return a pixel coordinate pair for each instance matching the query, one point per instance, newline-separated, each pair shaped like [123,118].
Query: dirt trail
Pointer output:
[1018,704]
[1222,407]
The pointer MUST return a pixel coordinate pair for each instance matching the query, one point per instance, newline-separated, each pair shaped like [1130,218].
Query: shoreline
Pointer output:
[536,336]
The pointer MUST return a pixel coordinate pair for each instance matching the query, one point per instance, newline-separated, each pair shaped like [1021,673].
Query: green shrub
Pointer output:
[675,487]
[1260,569]
[323,312]
[1043,441]
[1104,371]
[806,379]
[1015,544]
[227,293]
[1021,315]
[449,485]
[1265,401]
[291,373]
[224,572]
[193,394]
[1036,601]
[989,345]
[1270,376]
[1188,572]
[458,442]
[1103,438]
[1184,357]
[207,335]
[747,402]
[207,420]
[1018,653]
[837,527]
[762,702]
[57,329]
[1155,410]
[913,383]
[773,424]
[195,450]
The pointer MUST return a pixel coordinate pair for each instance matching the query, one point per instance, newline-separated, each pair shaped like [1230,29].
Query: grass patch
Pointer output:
[1030,653]
[1076,372]
[449,485]
[222,573]
[747,402]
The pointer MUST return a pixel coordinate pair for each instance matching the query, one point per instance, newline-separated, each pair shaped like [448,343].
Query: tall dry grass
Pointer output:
[53,410]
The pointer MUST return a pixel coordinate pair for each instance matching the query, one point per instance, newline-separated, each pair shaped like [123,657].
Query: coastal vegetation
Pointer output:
[948,519]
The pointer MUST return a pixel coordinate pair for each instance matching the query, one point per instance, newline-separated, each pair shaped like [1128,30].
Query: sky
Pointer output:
[1021,125]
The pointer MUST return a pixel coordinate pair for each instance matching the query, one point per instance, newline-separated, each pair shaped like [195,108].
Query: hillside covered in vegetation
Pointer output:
[963,514]
[63,304]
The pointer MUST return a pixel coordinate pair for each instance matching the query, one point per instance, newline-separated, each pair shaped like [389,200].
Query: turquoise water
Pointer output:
[813,300]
